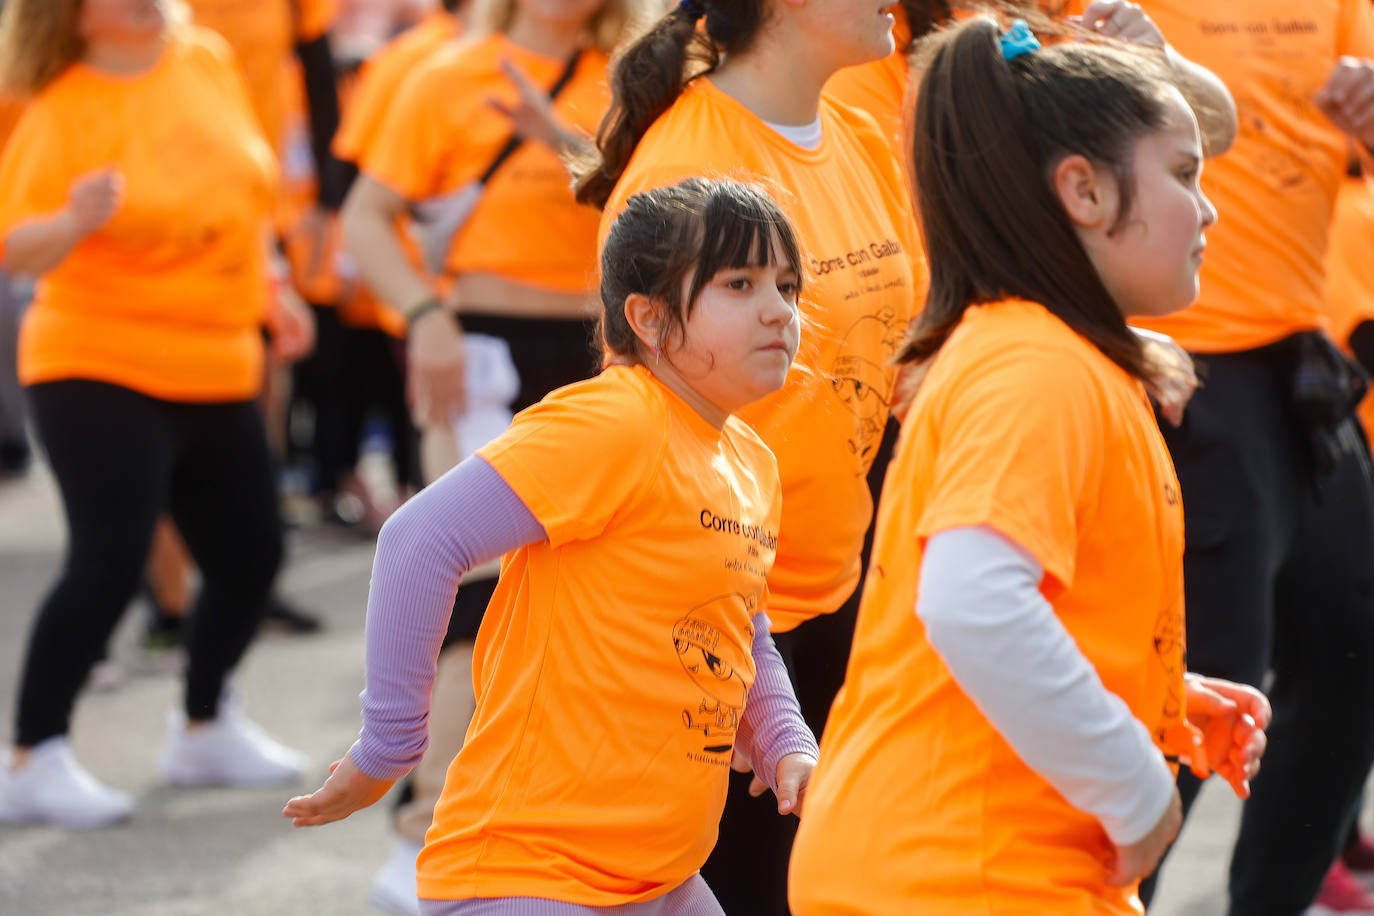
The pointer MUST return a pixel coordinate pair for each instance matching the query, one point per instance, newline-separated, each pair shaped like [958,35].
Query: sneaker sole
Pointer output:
[1318,909]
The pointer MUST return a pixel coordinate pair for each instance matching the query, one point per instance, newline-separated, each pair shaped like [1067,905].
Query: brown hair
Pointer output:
[41,38]
[693,229]
[38,40]
[651,73]
[607,27]
[924,16]
[988,135]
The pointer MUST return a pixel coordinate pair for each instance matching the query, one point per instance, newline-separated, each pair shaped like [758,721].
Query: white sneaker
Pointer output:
[393,888]
[52,788]
[228,751]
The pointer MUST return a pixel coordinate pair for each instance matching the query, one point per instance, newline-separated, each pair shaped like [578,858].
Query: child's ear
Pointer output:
[1087,193]
[642,314]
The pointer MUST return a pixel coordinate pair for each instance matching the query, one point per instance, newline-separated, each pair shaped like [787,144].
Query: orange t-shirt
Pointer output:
[866,279]
[382,77]
[1023,426]
[261,33]
[1350,270]
[881,88]
[613,664]
[1275,190]
[441,133]
[168,297]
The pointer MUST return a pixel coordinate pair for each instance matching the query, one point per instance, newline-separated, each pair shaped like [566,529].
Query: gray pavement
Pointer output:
[229,852]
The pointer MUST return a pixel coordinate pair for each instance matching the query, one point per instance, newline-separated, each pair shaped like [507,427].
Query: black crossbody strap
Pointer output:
[515,142]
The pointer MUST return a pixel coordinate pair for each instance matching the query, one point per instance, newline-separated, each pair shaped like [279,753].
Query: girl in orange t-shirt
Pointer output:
[999,745]
[499,313]
[139,191]
[626,651]
[704,93]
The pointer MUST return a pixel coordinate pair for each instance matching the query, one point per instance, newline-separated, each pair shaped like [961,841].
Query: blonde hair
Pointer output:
[41,38]
[609,25]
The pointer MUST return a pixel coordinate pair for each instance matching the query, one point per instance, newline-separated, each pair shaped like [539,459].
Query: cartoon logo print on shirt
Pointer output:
[1169,646]
[1280,160]
[860,377]
[714,663]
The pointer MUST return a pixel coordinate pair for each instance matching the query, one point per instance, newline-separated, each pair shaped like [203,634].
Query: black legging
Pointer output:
[121,458]
[351,372]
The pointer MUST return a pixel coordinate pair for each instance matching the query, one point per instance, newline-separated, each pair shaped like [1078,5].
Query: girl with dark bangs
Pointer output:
[639,520]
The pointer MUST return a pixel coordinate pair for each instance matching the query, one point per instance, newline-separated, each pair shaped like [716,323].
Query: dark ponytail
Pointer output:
[988,135]
[651,73]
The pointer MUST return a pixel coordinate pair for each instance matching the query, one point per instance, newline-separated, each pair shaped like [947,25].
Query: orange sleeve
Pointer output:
[577,457]
[36,169]
[364,110]
[1356,37]
[406,153]
[1018,445]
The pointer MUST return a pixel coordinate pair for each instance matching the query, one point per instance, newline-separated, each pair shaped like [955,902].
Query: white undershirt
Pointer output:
[980,601]
[807,136]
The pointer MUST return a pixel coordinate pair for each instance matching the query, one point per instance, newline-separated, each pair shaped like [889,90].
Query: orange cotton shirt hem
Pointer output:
[167,298]
[613,663]
[866,280]
[1023,426]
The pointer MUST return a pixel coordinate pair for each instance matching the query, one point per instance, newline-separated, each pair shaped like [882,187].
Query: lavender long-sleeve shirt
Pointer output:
[464,519]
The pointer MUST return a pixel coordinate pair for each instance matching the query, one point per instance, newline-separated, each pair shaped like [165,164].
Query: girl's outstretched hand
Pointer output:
[347,789]
[794,773]
[1232,719]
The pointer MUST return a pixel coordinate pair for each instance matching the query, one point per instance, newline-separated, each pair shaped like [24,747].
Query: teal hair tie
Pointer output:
[1018,40]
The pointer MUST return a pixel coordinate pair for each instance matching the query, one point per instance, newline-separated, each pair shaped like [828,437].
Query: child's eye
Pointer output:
[739,283]
[789,290]
[1188,176]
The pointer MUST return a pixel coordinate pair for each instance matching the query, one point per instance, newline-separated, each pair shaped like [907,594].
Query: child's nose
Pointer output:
[1209,212]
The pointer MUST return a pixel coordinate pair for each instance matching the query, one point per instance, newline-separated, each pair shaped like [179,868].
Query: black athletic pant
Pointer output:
[122,458]
[351,372]
[747,869]
[1279,575]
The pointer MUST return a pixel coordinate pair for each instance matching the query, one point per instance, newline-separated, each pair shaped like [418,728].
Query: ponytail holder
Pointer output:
[690,8]
[1015,41]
